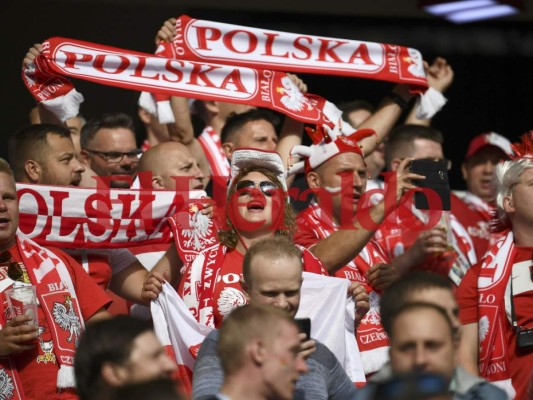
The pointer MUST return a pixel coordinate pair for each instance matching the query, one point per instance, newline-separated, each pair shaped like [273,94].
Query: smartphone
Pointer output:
[304,326]
[436,193]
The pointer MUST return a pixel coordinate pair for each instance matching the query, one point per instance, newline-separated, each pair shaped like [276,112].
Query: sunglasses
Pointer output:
[246,186]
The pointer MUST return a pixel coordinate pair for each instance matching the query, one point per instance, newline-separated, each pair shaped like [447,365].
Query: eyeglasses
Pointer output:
[246,186]
[116,156]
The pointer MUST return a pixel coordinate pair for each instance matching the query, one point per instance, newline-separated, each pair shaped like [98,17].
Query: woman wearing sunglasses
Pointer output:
[257,207]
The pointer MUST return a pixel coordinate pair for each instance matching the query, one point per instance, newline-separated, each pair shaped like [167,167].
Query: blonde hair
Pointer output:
[507,175]
[243,325]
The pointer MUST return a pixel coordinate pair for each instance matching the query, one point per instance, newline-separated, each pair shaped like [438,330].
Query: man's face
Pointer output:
[147,360]
[518,206]
[441,297]
[478,172]
[60,166]
[344,179]
[181,164]
[421,341]
[276,282]
[9,211]
[284,363]
[258,134]
[119,140]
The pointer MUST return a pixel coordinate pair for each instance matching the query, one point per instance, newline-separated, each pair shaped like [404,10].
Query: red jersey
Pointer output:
[521,361]
[38,368]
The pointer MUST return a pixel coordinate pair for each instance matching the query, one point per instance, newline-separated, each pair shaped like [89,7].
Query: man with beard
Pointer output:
[45,154]
[109,147]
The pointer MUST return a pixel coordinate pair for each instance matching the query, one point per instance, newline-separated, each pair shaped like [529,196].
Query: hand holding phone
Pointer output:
[304,326]
[436,187]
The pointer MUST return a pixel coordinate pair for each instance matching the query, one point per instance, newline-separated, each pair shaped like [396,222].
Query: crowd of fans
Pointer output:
[434,302]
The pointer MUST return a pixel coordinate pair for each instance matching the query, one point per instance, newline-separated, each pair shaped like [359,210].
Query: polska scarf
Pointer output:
[127,69]
[70,217]
[371,337]
[494,363]
[57,298]
[208,41]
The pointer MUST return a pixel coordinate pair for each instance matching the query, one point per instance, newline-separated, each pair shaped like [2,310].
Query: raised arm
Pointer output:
[342,246]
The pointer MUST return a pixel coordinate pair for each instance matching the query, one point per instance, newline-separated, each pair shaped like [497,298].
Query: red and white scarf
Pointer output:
[208,41]
[57,298]
[494,362]
[218,162]
[127,69]
[69,217]
[371,337]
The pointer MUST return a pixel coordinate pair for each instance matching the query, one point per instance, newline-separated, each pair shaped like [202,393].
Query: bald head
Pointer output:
[172,165]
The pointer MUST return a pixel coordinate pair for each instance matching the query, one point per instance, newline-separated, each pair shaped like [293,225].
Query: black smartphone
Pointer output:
[436,193]
[304,326]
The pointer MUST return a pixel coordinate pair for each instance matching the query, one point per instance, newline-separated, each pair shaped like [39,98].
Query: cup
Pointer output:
[22,300]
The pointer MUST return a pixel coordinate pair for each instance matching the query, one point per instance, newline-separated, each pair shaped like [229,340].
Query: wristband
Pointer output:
[396,98]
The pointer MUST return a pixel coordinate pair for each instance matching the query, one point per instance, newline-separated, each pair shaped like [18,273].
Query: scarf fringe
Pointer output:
[429,103]
[66,106]
[146,101]
[373,360]
[161,109]
[66,377]
[164,112]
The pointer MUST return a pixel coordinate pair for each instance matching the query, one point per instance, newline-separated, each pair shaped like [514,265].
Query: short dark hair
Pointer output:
[244,324]
[236,121]
[398,293]
[108,340]
[274,248]
[31,143]
[400,142]
[108,120]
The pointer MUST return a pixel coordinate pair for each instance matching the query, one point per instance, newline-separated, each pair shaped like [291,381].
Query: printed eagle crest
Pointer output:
[200,228]
[67,319]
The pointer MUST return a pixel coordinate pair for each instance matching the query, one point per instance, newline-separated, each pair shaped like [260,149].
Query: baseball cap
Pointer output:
[489,139]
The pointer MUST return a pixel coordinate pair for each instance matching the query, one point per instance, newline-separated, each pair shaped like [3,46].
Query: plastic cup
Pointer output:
[22,300]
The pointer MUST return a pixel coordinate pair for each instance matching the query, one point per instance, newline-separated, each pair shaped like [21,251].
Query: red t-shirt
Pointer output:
[38,368]
[521,361]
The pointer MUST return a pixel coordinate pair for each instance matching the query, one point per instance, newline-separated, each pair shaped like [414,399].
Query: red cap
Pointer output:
[489,139]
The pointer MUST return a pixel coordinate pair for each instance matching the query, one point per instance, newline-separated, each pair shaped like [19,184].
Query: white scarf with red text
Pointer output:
[209,41]
[61,57]
[371,337]
[72,217]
